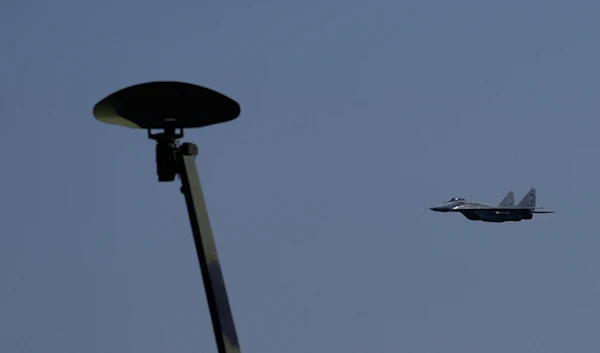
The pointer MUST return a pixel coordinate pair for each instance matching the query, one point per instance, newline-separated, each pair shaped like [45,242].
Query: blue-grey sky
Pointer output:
[355,117]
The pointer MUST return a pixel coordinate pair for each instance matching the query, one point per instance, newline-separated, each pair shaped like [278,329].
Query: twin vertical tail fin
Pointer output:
[508,201]
[529,199]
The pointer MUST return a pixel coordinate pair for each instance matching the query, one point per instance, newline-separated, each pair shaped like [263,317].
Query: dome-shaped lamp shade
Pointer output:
[149,105]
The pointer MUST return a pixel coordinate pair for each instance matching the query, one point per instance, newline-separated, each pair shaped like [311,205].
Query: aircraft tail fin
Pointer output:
[509,200]
[529,199]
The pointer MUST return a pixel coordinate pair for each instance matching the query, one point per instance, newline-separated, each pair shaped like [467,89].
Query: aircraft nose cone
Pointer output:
[437,208]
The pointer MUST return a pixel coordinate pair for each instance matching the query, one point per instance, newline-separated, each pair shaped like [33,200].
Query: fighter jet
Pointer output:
[505,211]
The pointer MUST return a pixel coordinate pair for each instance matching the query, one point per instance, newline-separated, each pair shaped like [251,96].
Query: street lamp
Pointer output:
[172,107]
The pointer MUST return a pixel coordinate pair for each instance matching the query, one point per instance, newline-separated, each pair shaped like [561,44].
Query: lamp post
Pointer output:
[173,107]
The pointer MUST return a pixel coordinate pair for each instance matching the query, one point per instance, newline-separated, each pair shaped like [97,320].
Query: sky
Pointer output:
[355,118]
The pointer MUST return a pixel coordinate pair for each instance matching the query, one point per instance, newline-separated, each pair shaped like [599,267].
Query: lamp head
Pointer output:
[180,105]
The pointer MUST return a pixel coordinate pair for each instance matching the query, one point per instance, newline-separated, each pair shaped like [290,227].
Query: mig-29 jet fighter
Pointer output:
[505,211]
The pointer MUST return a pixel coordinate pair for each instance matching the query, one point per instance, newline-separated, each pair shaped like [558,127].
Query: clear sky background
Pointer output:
[356,116]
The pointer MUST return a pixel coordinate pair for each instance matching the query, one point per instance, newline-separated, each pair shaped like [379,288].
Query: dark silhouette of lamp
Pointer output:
[173,107]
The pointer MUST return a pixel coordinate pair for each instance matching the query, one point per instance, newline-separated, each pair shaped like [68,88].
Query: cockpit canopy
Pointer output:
[454,199]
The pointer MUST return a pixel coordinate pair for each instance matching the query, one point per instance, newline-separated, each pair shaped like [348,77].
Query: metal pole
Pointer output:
[214,285]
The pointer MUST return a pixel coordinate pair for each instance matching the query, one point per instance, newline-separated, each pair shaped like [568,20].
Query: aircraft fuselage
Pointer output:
[497,216]
[506,211]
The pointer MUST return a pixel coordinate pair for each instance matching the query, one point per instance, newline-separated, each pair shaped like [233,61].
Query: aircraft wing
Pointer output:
[474,207]
[498,209]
